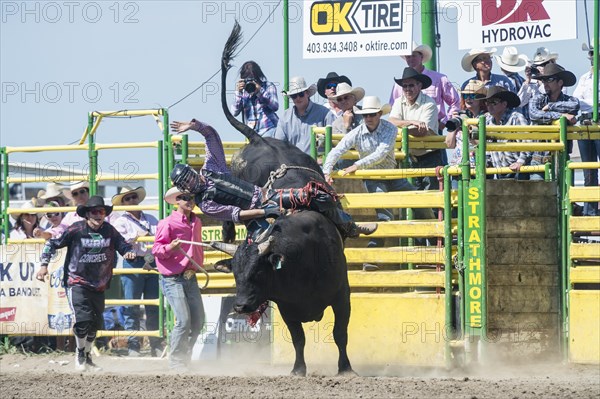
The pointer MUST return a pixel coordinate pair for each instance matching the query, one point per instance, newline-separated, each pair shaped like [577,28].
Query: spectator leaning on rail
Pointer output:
[178,274]
[500,103]
[550,106]
[133,224]
[417,111]
[296,123]
[589,149]
[328,86]
[92,245]
[480,60]
[256,99]
[374,139]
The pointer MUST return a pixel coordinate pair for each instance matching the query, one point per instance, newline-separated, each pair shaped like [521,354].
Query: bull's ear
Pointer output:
[223,266]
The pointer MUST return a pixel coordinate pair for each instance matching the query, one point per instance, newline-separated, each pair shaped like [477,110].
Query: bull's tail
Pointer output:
[233,42]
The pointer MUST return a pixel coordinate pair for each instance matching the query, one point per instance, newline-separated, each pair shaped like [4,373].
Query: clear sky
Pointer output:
[60,60]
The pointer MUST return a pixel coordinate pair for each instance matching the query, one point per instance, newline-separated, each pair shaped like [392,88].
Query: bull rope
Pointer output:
[279,173]
[194,262]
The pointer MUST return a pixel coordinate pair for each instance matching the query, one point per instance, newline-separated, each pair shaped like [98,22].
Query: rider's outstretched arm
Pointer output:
[215,156]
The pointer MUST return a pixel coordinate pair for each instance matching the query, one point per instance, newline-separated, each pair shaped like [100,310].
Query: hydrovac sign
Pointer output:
[488,23]
[334,29]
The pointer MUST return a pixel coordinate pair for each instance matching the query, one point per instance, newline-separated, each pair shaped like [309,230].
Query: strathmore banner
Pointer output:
[357,28]
[29,306]
[491,23]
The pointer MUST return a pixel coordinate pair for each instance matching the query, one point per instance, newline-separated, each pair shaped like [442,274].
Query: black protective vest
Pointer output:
[228,190]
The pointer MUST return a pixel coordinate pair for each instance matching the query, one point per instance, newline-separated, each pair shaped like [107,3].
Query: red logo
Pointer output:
[512,11]
[8,314]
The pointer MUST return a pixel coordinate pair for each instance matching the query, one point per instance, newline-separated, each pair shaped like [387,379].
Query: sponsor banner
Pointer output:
[29,306]
[359,28]
[496,23]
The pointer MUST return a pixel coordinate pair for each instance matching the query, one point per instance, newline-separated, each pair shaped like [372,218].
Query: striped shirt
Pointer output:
[503,159]
[259,107]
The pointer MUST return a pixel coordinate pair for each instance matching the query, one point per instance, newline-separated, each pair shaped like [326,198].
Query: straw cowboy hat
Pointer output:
[298,85]
[95,201]
[542,55]
[344,88]
[555,70]
[588,49]
[511,60]
[75,187]
[424,49]
[501,93]
[171,195]
[411,73]
[331,77]
[117,199]
[467,60]
[371,105]
[475,87]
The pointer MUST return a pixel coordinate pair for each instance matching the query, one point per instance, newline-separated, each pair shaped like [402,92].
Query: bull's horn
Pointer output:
[229,249]
[263,247]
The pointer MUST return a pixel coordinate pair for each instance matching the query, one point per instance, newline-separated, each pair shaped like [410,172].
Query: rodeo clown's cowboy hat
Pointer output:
[556,71]
[467,59]
[371,105]
[95,201]
[344,88]
[75,187]
[117,199]
[543,55]
[298,85]
[424,49]
[511,60]
[502,94]
[331,77]
[411,73]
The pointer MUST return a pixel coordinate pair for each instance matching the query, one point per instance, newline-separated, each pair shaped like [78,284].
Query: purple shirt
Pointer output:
[442,92]
[177,226]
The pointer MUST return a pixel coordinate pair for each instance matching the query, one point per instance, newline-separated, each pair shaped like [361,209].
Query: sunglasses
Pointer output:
[81,191]
[294,96]
[482,59]
[493,102]
[471,96]
[130,198]
[372,115]
[408,86]
[98,211]
[550,79]
[184,198]
[331,85]
[543,64]
[52,214]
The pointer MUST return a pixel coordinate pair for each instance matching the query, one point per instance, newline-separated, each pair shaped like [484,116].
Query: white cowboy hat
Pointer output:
[75,187]
[542,54]
[54,190]
[171,195]
[117,199]
[344,88]
[298,85]
[424,49]
[511,60]
[28,205]
[468,58]
[372,104]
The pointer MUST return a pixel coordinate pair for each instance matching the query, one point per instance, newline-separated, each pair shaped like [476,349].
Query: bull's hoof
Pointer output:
[347,373]
[299,372]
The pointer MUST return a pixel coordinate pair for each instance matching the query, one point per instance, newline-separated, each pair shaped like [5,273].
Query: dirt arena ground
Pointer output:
[45,376]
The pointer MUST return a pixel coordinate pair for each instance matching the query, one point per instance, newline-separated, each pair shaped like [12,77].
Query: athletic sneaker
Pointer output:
[80,360]
[91,365]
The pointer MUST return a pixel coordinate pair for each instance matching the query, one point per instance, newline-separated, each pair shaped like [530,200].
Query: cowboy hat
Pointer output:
[54,190]
[588,49]
[371,105]
[424,49]
[555,70]
[298,85]
[542,55]
[344,88]
[331,77]
[411,73]
[117,199]
[511,60]
[501,93]
[467,59]
[75,187]
[95,201]
[475,87]
[172,194]
[27,209]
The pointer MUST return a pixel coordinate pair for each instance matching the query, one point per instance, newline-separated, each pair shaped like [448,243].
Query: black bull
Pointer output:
[301,266]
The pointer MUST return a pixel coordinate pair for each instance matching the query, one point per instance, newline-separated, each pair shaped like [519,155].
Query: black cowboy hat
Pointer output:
[411,73]
[331,77]
[95,201]
[503,94]
[555,70]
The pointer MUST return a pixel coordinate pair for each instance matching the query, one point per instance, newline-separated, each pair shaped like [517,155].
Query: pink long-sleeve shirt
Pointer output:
[171,262]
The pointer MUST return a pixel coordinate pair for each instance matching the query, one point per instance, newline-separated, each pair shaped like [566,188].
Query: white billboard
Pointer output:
[496,23]
[359,28]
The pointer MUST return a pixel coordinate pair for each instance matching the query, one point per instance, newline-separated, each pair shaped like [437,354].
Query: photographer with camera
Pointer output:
[256,99]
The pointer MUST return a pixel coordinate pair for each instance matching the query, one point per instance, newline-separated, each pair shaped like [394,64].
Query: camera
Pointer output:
[456,123]
[249,85]
[585,118]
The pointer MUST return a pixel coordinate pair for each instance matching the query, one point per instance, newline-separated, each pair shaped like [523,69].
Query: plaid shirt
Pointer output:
[259,107]
[503,159]
[563,105]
